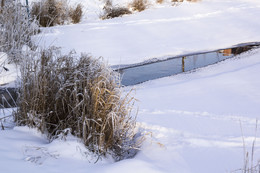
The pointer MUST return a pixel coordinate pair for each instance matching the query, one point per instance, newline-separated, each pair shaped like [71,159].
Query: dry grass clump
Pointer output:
[111,11]
[50,12]
[193,0]
[55,12]
[15,29]
[60,92]
[159,1]
[76,13]
[139,5]
[176,2]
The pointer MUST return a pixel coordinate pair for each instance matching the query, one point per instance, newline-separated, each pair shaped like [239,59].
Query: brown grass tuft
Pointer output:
[159,1]
[55,12]
[49,12]
[60,92]
[139,5]
[76,14]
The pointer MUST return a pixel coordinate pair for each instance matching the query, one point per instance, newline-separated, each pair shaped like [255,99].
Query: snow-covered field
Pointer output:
[160,31]
[193,122]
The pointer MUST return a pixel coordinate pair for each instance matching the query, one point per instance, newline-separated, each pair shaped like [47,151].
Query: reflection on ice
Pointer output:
[175,65]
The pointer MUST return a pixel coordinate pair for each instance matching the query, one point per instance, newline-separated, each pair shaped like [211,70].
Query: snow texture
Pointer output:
[193,122]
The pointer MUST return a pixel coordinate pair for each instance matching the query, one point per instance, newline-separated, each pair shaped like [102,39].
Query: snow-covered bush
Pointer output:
[15,29]
[81,94]
[111,11]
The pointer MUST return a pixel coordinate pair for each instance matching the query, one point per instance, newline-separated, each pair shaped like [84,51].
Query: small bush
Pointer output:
[176,2]
[55,12]
[139,5]
[111,11]
[50,12]
[61,92]
[115,12]
[76,14]
[159,1]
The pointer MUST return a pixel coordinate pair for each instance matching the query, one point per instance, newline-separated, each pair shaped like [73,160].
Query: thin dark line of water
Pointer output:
[139,73]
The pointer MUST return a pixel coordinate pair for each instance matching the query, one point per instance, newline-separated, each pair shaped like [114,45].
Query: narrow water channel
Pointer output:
[141,73]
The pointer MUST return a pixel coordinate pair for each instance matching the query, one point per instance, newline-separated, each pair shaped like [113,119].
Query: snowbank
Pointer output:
[160,31]
[191,122]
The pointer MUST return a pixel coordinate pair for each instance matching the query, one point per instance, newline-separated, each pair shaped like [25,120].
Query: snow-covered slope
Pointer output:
[192,123]
[160,31]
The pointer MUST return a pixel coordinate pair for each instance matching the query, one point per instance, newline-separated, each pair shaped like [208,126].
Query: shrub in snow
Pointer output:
[50,12]
[159,1]
[111,11]
[83,95]
[176,2]
[76,13]
[55,12]
[15,29]
[139,5]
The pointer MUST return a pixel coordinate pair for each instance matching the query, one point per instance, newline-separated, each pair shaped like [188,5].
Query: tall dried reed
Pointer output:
[60,92]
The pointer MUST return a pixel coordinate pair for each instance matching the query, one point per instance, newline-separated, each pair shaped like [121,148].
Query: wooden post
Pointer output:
[183,63]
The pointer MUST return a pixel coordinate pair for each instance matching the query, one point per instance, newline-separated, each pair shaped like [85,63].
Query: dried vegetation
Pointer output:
[60,92]
[76,13]
[55,12]
[139,5]
[111,11]
[159,1]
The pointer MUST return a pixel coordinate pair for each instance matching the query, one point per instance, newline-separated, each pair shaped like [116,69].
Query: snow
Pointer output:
[199,113]
[194,122]
[161,31]
[9,74]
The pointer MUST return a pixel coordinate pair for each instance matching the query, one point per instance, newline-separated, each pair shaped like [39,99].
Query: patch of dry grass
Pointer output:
[139,5]
[60,92]
[159,1]
[76,14]
[55,12]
